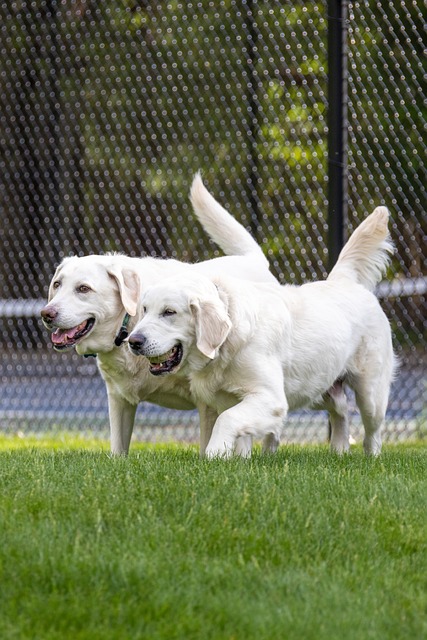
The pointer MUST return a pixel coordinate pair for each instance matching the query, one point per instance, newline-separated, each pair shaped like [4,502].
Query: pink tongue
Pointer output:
[62,336]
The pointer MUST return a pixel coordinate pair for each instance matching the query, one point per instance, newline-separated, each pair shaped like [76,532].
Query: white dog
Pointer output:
[94,301]
[252,352]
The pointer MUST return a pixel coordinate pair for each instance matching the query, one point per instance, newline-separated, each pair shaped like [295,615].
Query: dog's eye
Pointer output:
[56,284]
[83,288]
[144,310]
[168,312]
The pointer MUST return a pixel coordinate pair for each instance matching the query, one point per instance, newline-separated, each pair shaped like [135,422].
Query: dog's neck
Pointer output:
[123,332]
[120,337]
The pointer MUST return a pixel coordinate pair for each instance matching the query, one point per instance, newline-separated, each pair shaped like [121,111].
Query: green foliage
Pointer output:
[162,545]
[144,94]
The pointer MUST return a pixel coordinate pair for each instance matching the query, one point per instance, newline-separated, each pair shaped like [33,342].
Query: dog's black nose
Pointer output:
[136,343]
[48,314]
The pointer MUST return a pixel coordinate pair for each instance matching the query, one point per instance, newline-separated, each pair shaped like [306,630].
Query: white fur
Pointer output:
[113,285]
[254,351]
[220,226]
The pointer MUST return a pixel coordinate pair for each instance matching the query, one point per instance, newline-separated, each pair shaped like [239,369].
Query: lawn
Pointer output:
[300,545]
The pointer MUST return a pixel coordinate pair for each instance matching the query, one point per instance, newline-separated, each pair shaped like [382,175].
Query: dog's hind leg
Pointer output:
[335,402]
[372,388]
[372,402]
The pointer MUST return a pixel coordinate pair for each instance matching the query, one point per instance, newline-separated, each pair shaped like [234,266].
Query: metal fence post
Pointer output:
[253,115]
[337,132]
[337,127]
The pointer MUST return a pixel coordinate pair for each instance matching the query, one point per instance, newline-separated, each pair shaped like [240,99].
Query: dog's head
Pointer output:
[88,297]
[179,316]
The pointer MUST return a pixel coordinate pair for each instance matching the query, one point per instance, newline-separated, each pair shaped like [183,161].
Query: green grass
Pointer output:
[161,545]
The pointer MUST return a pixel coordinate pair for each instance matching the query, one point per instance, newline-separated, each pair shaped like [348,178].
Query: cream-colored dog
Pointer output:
[254,351]
[94,301]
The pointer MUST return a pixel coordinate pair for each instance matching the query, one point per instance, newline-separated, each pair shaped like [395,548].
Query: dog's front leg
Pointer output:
[257,415]
[243,447]
[122,418]
[207,418]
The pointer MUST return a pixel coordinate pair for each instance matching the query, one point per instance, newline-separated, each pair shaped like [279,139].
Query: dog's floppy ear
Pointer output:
[212,325]
[128,283]
[55,277]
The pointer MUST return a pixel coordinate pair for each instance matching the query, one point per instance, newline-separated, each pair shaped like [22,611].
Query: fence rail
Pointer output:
[31,307]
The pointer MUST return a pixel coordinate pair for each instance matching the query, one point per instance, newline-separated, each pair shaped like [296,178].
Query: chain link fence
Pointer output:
[107,109]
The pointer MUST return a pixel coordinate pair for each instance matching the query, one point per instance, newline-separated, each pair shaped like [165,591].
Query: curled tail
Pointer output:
[223,229]
[364,258]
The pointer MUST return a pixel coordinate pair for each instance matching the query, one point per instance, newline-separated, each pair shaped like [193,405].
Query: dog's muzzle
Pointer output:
[160,364]
[136,343]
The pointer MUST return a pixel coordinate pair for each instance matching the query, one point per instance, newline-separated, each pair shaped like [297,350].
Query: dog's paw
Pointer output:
[215,452]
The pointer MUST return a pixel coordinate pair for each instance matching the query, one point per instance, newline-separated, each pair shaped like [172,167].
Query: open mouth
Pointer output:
[66,338]
[166,363]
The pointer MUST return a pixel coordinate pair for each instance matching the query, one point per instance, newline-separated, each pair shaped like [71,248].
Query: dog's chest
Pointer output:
[129,376]
[207,387]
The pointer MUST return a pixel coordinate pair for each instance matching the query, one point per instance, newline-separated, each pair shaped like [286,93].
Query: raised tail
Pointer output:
[220,225]
[364,258]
